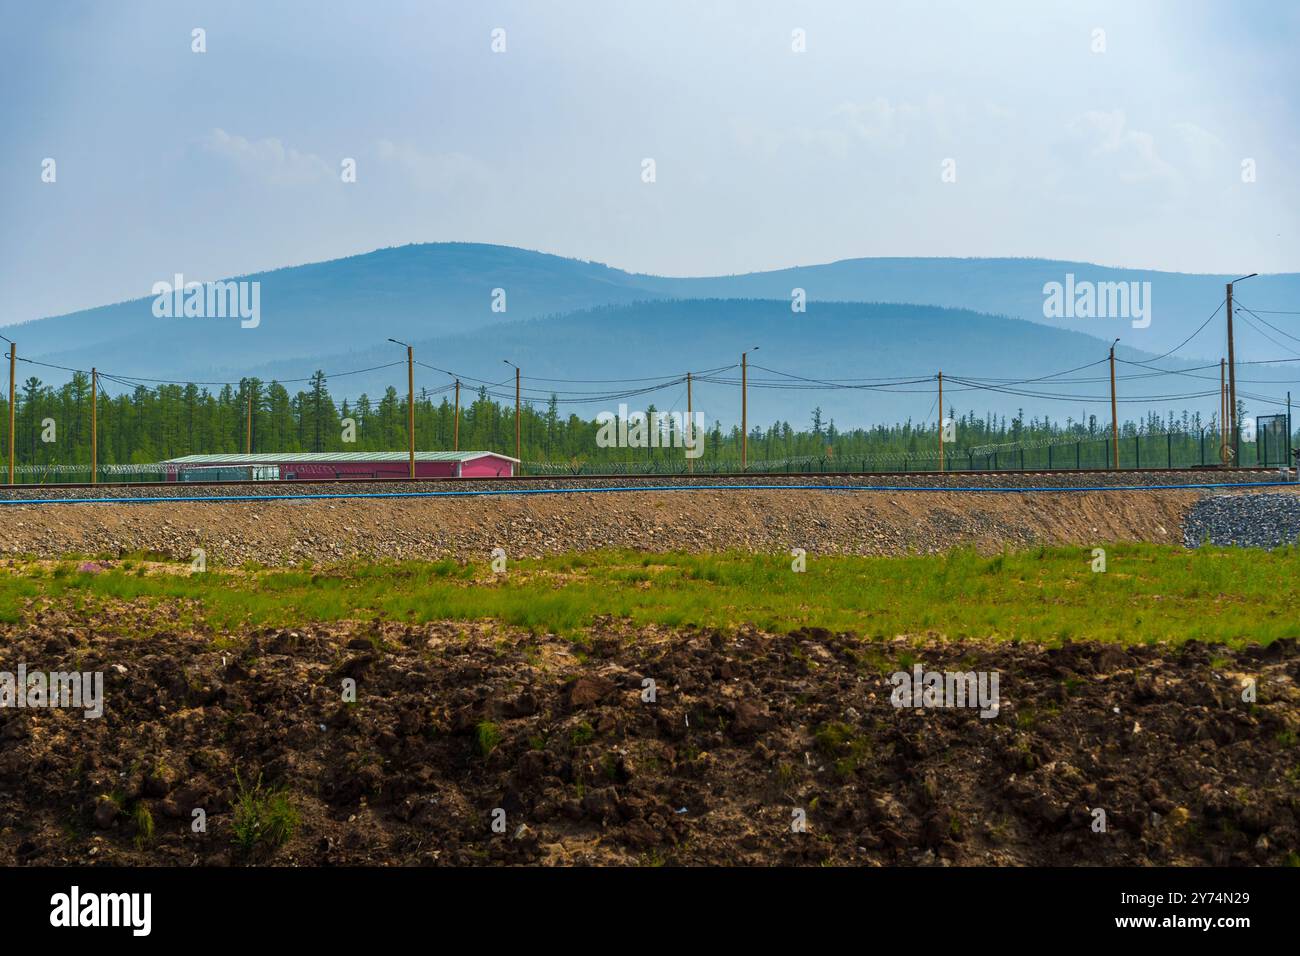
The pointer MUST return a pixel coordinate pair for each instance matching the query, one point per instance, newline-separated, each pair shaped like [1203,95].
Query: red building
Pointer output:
[314,466]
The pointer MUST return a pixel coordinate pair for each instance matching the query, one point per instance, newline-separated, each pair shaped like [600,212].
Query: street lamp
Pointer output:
[744,408]
[517,442]
[1114,411]
[1232,370]
[410,399]
[13,356]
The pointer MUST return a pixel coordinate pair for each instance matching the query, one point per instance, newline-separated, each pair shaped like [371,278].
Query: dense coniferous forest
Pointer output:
[148,425]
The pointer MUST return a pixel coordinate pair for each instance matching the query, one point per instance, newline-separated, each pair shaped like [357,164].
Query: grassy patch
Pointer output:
[1148,593]
[143,820]
[263,818]
[487,737]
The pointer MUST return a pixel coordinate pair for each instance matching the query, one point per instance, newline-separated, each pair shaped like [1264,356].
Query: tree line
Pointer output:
[150,424]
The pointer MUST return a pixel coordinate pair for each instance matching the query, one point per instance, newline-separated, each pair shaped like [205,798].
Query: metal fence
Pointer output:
[1271,447]
[1171,450]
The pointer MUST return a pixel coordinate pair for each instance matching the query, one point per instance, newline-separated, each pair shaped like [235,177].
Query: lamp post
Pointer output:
[13,356]
[1232,372]
[1114,412]
[517,444]
[410,399]
[744,408]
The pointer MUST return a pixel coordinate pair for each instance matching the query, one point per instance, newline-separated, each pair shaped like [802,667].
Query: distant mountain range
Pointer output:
[574,320]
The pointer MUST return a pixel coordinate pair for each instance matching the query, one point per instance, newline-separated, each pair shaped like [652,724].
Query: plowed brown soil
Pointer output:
[453,722]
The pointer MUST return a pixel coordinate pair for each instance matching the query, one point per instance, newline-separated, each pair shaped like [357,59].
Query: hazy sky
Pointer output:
[228,161]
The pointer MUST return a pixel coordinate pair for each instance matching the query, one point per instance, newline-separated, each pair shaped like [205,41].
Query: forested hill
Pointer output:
[423,292]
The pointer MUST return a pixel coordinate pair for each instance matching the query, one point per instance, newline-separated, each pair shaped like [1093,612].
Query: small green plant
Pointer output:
[583,734]
[487,737]
[836,741]
[785,774]
[143,826]
[262,817]
[609,766]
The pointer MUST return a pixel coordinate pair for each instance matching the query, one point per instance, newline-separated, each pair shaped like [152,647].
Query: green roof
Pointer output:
[310,457]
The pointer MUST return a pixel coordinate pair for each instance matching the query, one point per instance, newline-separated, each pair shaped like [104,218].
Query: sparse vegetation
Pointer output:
[262,817]
[487,737]
[1151,593]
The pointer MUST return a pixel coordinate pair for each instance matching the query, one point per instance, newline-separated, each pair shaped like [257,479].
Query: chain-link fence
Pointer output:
[1170,450]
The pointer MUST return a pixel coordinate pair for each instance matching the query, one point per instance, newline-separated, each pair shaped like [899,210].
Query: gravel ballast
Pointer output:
[772,521]
[767,521]
[1252,521]
[1080,479]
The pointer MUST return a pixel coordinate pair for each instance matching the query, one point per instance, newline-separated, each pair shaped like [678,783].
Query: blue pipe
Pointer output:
[571,491]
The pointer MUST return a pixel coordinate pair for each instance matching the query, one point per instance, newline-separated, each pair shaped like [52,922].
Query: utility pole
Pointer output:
[455,428]
[517,442]
[1223,413]
[1232,371]
[744,413]
[94,426]
[248,428]
[13,357]
[690,425]
[410,403]
[1114,410]
[941,421]
[410,399]
[744,409]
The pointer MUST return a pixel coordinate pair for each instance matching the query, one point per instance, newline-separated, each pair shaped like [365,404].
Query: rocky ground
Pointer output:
[821,522]
[1008,479]
[747,733]
[1254,521]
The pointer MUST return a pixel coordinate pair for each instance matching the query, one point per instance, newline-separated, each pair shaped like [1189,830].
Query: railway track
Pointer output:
[1062,480]
[1218,474]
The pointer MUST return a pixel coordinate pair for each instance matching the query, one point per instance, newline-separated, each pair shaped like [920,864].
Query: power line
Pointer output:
[1190,337]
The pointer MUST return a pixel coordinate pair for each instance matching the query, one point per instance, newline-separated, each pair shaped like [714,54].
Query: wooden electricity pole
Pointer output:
[1235,437]
[1223,414]
[744,408]
[690,426]
[94,426]
[13,357]
[1232,371]
[410,402]
[410,399]
[941,421]
[517,443]
[455,428]
[1114,410]
[248,426]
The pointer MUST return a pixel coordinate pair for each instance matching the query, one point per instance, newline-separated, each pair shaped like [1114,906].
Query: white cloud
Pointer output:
[878,122]
[1203,151]
[1129,153]
[434,171]
[268,160]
